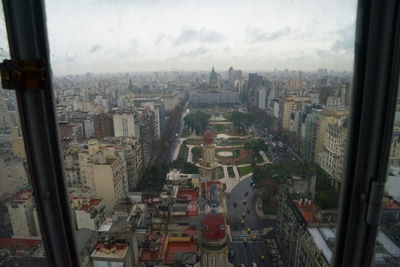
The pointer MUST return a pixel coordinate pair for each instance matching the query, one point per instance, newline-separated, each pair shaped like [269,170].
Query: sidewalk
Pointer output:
[260,212]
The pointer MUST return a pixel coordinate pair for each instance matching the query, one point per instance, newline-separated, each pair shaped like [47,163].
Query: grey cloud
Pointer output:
[345,40]
[193,53]
[159,39]
[95,48]
[133,42]
[204,36]
[257,35]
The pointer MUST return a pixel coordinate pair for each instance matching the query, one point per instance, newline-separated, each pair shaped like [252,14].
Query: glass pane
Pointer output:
[203,132]
[20,237]
[387,245]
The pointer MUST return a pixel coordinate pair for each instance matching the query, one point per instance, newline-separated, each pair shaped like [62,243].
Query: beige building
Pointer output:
[17,143]
[331,158]
[394,156]
[13,174]
[23,215]
[294,84]
[103,173]
[290,104]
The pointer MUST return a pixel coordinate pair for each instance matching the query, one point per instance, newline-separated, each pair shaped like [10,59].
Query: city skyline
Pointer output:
[192,35]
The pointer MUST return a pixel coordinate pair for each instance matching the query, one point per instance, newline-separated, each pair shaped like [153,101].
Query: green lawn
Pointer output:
[185,133]
[194,142]
[259,158]
[245,170]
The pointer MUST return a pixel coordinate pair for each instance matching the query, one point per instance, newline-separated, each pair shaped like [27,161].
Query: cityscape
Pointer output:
[195,133]
[217,168]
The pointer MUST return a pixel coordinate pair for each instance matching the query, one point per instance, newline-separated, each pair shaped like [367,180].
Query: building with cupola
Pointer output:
[213,78]
[213,240]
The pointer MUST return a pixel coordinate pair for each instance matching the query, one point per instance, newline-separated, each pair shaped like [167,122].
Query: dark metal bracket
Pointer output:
[24,74]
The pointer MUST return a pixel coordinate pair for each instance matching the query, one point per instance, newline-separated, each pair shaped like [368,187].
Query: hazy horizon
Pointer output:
[99,36]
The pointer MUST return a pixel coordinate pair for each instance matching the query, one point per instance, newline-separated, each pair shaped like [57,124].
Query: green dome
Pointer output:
[213,74]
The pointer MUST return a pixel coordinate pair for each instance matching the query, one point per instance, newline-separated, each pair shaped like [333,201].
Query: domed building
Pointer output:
[213,242]
[213,78]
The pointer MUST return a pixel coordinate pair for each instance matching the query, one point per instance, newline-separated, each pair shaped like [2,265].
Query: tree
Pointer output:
[268,192]
[241,120]
[256,145]
[197,121]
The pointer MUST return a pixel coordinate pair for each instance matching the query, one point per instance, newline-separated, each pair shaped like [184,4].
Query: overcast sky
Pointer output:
[154,35]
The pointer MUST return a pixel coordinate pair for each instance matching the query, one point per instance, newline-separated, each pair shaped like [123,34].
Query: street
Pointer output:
[246,254]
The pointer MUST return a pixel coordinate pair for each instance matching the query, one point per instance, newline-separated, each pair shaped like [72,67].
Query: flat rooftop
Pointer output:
[106,250]
[179,247]
[309,210]
[94,202]
[156,253]
[21,196]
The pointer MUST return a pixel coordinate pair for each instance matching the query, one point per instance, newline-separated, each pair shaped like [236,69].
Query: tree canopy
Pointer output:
[281,171]
[241,120]
[256,145]
[198,121]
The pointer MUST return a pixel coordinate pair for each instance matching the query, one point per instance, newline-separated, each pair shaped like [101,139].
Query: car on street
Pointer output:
[246,194]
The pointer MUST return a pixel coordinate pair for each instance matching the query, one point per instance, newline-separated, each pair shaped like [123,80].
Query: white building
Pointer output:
[262,94]
[124,125]
[23,216]
[91,214]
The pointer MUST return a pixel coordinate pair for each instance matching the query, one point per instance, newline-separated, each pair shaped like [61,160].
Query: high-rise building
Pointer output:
[394,155]
[124,125]
[288,105]
[148,135]
[103,125]
[104,173]
[262,94]
[88,128]
[331,159]
[23,215]
[17,143]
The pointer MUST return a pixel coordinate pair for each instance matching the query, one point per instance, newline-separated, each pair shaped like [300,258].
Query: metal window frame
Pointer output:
[375,86]
[27,37]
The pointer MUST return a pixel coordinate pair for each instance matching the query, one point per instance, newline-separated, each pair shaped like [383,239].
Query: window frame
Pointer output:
[375,85]
[27,38]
